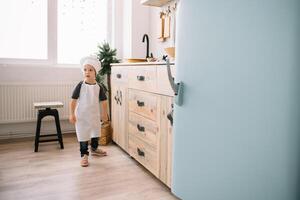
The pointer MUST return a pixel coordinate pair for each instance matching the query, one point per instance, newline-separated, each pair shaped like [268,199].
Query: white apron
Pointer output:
[88,113]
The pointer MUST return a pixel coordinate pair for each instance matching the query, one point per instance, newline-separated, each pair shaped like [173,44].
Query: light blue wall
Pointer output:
[237,136]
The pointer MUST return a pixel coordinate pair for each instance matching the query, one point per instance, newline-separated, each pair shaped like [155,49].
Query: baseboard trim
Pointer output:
[31,138]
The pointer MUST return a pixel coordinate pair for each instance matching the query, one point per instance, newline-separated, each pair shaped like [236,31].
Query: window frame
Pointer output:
[52,41]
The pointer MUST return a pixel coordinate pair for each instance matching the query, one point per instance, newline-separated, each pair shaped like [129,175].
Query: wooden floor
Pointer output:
[56,174]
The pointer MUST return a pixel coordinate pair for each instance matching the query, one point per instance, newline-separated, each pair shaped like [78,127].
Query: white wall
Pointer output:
[35,74]
[22,130]
[141,26]
[126,19]
[131,22]
[117,27]
[20,73]
[156,46]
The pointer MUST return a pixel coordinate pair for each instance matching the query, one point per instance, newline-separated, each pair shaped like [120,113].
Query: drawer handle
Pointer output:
[140,152]
[119,75]
[120,98]
[140,78]
[140,128]
[170,117]
[116,99]
[140,103]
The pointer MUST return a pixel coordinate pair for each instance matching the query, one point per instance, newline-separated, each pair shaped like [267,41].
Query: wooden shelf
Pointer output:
[156,3]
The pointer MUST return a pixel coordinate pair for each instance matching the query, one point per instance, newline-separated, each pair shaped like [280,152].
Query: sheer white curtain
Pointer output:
[23,29]
[81,25]
[51,31]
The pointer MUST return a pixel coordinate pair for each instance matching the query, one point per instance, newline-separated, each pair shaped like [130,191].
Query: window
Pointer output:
[51,31]
[81,25]
[23,29]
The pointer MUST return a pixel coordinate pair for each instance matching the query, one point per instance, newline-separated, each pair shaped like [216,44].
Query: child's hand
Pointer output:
[72,119]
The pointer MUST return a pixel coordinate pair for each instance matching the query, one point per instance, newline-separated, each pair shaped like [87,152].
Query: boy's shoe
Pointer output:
[84,161]
[98,152]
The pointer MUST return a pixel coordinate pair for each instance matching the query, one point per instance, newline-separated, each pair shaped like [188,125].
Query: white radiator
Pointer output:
[16,100]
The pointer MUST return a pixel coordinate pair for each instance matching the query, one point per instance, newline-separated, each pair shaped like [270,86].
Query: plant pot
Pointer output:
[106,131]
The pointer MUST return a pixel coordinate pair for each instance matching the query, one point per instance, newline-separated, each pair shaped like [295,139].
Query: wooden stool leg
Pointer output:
[37,134]
[59,135]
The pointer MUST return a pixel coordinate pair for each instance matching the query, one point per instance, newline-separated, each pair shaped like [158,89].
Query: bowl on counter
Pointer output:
[134,60]
[151,59]
[170,51]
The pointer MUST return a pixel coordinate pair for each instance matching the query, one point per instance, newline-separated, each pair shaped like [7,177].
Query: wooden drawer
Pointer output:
[143,129]
[119,75]
[143,78]
[144,103]
[144,154]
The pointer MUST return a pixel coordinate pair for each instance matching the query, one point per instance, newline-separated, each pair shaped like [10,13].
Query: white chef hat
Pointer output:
[91,60]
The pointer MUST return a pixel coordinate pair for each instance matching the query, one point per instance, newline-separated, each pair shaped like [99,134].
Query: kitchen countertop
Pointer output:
[140,63]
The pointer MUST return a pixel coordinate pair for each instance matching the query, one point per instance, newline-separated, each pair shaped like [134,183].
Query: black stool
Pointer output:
[48,111]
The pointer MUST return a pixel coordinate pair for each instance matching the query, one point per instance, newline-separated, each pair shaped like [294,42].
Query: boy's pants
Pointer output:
[84,146]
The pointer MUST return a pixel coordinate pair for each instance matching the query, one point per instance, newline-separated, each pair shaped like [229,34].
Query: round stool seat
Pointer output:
[52,104]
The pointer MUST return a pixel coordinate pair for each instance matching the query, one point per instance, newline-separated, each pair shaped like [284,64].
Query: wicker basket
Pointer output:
[105,137]
[105,140]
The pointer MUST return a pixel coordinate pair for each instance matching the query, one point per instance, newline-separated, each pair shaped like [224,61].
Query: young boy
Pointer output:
[85,109]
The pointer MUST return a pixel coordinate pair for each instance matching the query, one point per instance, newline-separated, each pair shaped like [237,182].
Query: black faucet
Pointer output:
[147,40]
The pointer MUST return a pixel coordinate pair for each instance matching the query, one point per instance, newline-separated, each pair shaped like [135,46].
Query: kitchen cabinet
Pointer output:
[119,107]
[140,123]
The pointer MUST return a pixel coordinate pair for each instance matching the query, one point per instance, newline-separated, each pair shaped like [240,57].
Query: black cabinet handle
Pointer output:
[140,103]
[116,99]
[140,78]
[170,117]
[119,75]
[140,152]
[140,128]
[120,98]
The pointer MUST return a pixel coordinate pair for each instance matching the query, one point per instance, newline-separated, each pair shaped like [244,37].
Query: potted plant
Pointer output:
[106,55]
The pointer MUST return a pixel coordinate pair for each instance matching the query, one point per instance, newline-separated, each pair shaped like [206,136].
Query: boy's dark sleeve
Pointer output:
[76,91]
[102,96]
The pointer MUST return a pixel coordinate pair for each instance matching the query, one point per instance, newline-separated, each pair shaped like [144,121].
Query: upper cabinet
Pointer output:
[157,3]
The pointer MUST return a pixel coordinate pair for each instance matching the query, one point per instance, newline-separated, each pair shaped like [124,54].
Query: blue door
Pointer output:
[237,134]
